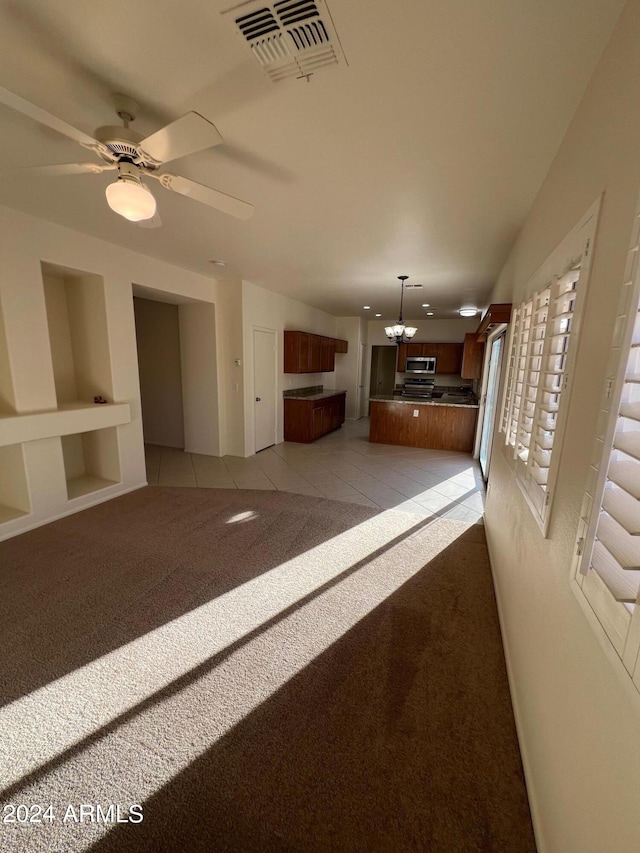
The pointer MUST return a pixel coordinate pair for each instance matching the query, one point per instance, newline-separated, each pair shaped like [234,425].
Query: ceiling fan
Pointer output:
[133,157]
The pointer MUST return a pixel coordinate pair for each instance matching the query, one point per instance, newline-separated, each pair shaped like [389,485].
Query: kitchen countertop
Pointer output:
[312,395]
[422,401]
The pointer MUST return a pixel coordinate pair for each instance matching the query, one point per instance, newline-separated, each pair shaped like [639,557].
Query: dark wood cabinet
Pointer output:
[328,346]
[496,314]
[436,427]
[401,363]
[472,357]
[449,358]
[306,420]
[315,354]
[307,353]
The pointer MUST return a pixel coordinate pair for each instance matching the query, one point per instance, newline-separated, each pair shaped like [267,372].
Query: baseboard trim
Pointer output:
[517,715]
[98,499]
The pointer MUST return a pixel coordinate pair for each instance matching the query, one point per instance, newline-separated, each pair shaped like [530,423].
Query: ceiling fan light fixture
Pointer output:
[131,199]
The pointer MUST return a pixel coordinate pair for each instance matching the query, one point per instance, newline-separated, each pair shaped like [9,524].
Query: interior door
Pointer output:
[490,400]
[264,385]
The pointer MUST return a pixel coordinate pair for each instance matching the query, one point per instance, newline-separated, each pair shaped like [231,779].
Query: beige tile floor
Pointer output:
[343,466]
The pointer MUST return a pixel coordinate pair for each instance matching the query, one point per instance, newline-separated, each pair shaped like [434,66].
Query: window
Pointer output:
[544,339]
[607,559]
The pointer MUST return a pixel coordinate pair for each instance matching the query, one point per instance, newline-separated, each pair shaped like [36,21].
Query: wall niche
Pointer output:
[78,335]
[91,461]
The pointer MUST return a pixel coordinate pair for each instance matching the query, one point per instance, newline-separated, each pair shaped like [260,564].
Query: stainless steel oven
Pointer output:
[420,364]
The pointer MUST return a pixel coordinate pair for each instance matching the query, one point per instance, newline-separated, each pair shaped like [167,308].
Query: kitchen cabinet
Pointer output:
[401,362]
[328,357]
[307,353]
[306,420]
[448,356]
[472,356]
[315,354]
[437,427]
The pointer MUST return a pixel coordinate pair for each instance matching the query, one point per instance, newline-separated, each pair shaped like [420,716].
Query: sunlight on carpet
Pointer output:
[272,626]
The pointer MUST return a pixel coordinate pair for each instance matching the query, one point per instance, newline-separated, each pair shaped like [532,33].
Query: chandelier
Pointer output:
[400,333]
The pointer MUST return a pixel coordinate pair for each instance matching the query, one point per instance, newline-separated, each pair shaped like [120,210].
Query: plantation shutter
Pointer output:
[516,366]
[538,375]
[608,543]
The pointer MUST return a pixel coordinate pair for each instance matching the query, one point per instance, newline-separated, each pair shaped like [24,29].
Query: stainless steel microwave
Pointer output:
[420,364]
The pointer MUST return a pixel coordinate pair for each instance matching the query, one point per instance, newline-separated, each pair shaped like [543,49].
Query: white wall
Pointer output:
[263,309]
[160,370]
[353,330]
[578,717]
[230,349]
[28,243]
[200,378]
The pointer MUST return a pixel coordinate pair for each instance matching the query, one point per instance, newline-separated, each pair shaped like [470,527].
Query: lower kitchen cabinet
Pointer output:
[436,427]
[306,420]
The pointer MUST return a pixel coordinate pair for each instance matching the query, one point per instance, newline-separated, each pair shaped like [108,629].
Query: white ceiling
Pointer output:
[421,156]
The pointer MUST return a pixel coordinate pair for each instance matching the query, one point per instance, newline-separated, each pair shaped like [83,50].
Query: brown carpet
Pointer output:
[261,671]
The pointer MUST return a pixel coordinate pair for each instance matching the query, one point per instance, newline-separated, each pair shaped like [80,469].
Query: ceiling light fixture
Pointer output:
[425,304]
[400,333]
[378,315]
[429,313]
[218,263]
[366,307]
[129,197]
[468,312]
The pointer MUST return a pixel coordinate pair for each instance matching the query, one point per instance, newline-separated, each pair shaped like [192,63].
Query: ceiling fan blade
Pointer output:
[68,169]
[10,99]
[206,195]
[184,136]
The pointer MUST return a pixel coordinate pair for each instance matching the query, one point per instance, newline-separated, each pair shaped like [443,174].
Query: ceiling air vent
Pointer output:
[289,38]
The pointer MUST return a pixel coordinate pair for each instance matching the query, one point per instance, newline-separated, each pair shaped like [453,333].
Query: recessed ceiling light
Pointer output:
[425,304]
[378,315]
[366,307]
[429,313]
[468,312]
[218,263]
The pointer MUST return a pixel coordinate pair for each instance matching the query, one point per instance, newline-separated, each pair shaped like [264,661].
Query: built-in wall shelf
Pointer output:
[67,419]
[14,491]
[81,486]
[91,461]
[10,513]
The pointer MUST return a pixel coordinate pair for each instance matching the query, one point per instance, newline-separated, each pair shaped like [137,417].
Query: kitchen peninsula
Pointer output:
[446,422]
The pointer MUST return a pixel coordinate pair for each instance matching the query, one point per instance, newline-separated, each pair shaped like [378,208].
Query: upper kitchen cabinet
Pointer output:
[328,357]
[448,358]
[307,353]
[472,356]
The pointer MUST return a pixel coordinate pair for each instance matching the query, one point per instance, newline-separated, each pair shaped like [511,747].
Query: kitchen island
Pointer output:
[441,424]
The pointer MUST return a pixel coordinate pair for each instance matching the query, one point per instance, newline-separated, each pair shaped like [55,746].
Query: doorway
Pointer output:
[489,400]
[160,371]
[383,370]
[264,386]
